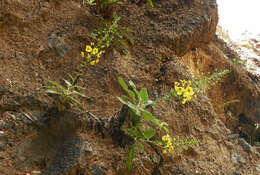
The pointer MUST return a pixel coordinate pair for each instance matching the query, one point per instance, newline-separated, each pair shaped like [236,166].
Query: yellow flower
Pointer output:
[169,143]
[171,149]
[82,54]
[179,90]
[164,151]
[164,138]
[92,44]
[92,63]
[88,56]
[183,82]
[184,101]
[95,51]
[188,92]
[188,98]
[176,83]
[88,48]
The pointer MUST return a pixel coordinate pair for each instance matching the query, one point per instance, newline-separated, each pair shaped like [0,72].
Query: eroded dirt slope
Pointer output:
[174,40]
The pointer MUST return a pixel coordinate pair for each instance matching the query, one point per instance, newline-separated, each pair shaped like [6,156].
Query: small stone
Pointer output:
[58,45]
[23,118]
[97,171]
[236,158]
[22,57]
[246,147]
[232,137]
[257,168]
[36,172]
[237,172]
[4,125]
[3,142]
[257,149]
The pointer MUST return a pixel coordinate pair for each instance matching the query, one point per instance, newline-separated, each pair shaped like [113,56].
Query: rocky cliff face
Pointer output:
[174,40]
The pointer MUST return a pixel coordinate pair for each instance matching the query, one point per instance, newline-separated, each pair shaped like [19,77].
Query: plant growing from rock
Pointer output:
[238,61]
[182,91]
[142,126]
[67,94]
[206,81]
[106,36]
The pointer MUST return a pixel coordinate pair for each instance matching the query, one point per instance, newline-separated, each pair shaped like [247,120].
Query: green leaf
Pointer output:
[131,83]
[123,100]
[130,157]
[140,133]
[79,87]
[144,95]
[130,40]
[54,83]
[131,132]
[53,91]
[122,83]
[131,94]
[73,100]
[149,3]
[125,87]
[140,147]
[68,83]
[77,93]
[71,77]
[129,104]
[124,51]
[149,133]
[148,116]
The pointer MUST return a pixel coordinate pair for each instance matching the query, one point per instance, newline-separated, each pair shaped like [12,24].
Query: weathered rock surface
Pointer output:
[173,41]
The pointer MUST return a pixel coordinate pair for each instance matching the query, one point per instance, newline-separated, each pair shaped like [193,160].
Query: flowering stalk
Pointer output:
[91,56]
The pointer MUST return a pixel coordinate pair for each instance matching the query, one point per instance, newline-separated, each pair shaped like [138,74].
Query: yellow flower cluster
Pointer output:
[92,54]
[184,89]
[167,142]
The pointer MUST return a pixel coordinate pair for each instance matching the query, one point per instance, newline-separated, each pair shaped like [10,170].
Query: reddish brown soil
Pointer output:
[162,53]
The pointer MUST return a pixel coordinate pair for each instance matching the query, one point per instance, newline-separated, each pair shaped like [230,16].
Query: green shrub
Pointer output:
[206,81]
[66,94]
[107,35]
[142,126]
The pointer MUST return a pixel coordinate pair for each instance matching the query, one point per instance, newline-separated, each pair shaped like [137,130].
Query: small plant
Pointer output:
[238,61]
[91,55]
[66,94]
[228,103]
[182,91]
[91,2]
[106,36]
[255,138]
[205,82]
[138,101]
